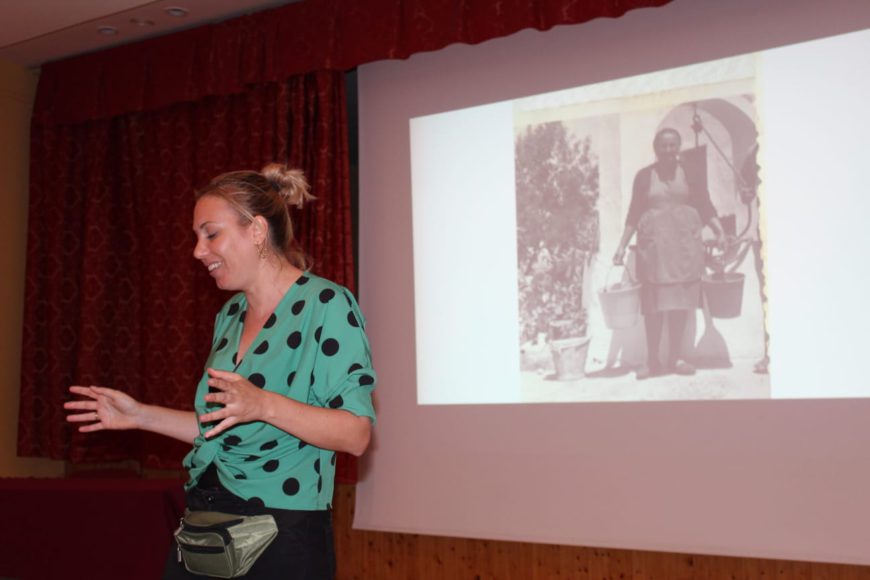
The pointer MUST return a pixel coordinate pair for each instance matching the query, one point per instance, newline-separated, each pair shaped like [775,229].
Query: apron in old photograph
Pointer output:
[670,251]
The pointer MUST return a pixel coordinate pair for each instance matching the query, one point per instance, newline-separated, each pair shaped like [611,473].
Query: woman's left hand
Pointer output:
[242,401]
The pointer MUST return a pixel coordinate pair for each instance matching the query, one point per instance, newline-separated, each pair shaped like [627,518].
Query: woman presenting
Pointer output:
[287,383]
[670,205]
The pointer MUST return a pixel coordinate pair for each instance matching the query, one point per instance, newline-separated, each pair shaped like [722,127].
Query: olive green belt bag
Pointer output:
[223,545]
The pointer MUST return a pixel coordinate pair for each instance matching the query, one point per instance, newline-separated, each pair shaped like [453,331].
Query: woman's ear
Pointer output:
[260,228]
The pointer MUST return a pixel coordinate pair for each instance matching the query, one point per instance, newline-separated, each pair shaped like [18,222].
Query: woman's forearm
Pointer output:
[181,425]
[627,234]
[334,429]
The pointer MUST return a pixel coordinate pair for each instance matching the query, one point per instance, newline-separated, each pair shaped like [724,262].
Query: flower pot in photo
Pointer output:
[569,357]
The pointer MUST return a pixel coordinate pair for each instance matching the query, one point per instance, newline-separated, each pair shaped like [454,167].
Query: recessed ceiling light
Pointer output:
[107,30]
[141,22]
[177,11]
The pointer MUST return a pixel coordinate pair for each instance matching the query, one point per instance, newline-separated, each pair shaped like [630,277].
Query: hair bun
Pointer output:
[290,183]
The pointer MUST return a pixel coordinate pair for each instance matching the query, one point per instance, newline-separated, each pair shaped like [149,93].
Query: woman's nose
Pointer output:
[199,249]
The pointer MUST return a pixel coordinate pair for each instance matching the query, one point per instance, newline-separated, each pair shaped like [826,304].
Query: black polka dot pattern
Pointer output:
[327,295]
[336,343]
[256,502]
[303,280]
[234,307]
[329,347]
[291,486]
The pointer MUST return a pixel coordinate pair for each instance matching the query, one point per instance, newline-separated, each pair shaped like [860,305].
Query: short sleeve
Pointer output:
[343,373]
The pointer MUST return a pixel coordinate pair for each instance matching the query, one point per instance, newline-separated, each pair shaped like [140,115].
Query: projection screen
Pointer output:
[477,274]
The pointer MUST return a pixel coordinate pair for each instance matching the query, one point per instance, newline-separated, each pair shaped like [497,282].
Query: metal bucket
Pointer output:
[724,295]
[620,303]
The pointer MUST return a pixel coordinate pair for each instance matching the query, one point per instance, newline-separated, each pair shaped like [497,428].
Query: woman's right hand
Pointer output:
[619,257]
[103,408]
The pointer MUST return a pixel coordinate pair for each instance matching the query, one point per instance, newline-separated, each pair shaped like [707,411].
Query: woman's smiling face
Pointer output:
[667,145]
[224,245]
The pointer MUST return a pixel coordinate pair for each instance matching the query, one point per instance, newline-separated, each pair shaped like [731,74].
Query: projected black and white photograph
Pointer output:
[655,237]
[640,255]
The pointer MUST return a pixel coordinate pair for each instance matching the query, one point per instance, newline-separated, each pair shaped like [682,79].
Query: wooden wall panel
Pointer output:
[388,556]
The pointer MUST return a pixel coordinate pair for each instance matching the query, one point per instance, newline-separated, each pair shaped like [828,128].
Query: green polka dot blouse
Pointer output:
[312,349]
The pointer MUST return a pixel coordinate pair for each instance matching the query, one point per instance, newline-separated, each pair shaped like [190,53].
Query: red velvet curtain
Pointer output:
[294,39]
[114,296]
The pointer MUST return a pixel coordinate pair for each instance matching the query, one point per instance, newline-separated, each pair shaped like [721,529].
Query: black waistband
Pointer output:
[211,495]
[209,479]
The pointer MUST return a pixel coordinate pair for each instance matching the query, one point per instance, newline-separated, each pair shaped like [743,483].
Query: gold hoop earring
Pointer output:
[261,251]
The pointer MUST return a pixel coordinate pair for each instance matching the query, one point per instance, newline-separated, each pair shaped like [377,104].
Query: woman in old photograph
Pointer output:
[670,205]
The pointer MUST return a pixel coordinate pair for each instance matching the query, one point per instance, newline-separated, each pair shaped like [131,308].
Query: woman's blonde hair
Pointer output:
[269,193]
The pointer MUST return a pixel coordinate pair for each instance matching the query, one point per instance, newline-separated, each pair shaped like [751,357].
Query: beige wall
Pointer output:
[17,87]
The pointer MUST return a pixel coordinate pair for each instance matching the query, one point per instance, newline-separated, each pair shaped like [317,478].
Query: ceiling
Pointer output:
[33,32]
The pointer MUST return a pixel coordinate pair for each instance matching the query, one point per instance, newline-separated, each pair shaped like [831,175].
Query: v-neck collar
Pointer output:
[240,328]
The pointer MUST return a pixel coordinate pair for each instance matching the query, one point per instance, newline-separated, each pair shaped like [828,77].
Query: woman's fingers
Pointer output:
[84,391]
[80,405]
[240,402]
[218,384]
[225,375]
[90,428]
[82,417]
[220,427]
[220,397]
